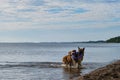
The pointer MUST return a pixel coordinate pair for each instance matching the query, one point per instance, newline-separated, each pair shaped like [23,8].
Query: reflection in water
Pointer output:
[69,74]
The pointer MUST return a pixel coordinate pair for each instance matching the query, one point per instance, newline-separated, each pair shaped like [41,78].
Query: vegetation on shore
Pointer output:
[111,40]
[114,40]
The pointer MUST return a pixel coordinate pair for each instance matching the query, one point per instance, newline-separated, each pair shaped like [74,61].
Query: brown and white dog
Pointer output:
[69,60]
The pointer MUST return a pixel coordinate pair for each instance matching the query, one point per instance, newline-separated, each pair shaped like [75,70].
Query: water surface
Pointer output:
[42,61]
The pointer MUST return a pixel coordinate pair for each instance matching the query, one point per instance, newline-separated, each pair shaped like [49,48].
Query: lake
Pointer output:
[42,61]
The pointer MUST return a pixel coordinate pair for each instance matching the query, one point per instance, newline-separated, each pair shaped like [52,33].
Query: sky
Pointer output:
[59,20]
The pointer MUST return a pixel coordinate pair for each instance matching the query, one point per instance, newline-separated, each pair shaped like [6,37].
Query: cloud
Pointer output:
[58,14]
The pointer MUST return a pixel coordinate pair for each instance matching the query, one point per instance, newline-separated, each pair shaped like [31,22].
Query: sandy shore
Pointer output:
[109,72]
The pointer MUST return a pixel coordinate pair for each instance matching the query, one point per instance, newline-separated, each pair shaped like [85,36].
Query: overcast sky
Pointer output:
[58,20]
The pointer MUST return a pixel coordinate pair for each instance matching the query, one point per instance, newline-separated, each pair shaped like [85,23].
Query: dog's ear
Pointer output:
[83,48]
[78,47]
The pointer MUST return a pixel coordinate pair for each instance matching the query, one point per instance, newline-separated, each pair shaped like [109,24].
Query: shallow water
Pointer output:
[42,61]
[42,71]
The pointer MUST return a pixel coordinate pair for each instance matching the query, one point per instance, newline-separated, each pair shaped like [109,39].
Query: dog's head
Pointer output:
[81,50]
[73,52]
[70,53]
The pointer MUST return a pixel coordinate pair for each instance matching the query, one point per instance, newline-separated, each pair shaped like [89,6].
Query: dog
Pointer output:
[74,59]
[80,55]
[67,60]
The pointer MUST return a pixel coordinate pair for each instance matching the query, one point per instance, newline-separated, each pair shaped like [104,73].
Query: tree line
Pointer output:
[114,40]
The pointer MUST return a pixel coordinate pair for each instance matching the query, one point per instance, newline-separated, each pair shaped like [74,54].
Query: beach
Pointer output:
[109,72]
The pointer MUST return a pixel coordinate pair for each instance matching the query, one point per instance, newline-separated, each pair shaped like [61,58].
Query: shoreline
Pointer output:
[108,72]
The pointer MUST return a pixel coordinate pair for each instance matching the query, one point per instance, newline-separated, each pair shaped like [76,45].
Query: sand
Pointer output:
[109,72]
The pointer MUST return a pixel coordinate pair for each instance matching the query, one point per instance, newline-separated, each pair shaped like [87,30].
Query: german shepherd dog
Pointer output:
[69,61]
[80,56]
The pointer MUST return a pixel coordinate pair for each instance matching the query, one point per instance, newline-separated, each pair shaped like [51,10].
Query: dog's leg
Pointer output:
[79,63]
[70,65]
[74,63]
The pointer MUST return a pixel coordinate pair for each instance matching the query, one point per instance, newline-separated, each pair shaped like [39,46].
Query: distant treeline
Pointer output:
[111,40]
[114,40]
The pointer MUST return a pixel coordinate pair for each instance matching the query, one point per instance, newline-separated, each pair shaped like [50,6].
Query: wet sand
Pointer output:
[109,72]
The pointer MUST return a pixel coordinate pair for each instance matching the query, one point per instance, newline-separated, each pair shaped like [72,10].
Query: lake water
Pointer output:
[42,61]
